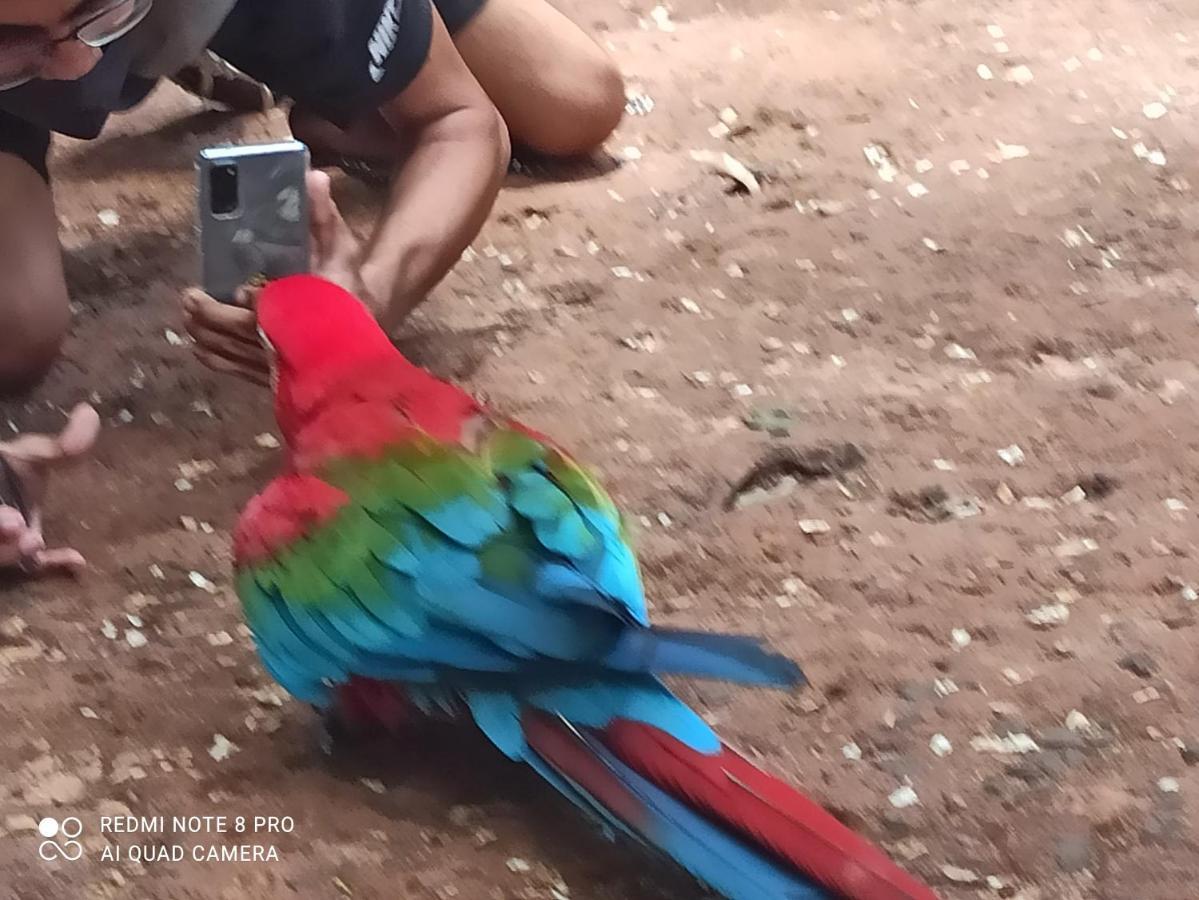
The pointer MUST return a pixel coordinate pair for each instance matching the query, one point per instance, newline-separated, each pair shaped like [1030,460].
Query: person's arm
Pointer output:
[443,192]
[453,151]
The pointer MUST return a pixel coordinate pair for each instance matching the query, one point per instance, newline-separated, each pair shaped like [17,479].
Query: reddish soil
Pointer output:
[1040,294]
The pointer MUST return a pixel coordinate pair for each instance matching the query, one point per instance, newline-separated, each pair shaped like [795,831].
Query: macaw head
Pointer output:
[318,335]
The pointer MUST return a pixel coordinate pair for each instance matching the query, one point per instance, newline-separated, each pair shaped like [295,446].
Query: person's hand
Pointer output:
[226,335]
[30,459]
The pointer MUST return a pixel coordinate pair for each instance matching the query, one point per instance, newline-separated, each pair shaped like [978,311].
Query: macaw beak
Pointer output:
[272,355]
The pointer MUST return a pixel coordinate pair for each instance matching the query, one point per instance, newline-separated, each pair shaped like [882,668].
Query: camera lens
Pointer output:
[223,186]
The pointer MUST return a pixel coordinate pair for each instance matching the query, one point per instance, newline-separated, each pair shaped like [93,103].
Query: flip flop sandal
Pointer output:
[211,78]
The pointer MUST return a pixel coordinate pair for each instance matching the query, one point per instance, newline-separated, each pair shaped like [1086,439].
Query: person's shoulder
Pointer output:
[338,58]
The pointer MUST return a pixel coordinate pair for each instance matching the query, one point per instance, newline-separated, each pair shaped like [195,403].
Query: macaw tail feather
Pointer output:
[726,788]
[728,657]
[578,764]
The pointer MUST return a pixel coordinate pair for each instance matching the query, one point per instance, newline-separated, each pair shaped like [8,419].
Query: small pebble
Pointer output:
[1168,785]
[134,638]
[1019,75]
[903,797]
[771,344]
[814,526]
[1076,547]
[943,687]
[1012,455]
[1076,721]
[1007,745]
[959,875]
[516,864]
[1009,152]
[940,745]
[960,637]
[852,752]
[1075,495]
[1154,110]
[1049,615]
[957,351]
[201,582]
[221,748]
[1146,695]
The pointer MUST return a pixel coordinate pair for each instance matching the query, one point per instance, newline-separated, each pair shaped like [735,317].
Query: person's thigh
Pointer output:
[559,91]
[33,293]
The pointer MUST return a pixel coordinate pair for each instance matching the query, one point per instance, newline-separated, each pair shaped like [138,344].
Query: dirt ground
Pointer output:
[970,257]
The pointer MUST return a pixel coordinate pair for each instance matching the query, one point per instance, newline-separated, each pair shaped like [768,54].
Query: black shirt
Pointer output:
[337,58]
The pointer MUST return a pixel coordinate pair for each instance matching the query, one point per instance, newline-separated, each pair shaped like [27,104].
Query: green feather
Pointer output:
[511,451]
[505,559]
[577,483]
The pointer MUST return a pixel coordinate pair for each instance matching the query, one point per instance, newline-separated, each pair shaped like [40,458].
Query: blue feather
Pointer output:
[536,497]
[710,853]
[714,856]
[465,522]
[567,534]
[728,657]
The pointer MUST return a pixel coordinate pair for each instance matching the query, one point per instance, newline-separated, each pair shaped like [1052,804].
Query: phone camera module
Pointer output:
[224,189]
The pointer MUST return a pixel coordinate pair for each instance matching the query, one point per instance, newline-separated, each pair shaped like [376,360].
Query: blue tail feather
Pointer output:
[711,854]
[727,657]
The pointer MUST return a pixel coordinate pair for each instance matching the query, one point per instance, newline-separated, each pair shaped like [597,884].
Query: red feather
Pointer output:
[286,510]
[331,357]
[566,752]
[772,813]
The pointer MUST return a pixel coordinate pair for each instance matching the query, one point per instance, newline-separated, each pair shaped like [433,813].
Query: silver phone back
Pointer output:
[266,236]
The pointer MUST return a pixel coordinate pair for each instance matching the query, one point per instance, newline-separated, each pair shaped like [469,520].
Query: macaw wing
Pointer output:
[429,563]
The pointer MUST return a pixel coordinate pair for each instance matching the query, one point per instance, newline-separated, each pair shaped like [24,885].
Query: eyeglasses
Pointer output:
[23,50]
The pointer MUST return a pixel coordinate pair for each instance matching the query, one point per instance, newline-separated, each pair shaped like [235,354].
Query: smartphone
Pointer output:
[253,214]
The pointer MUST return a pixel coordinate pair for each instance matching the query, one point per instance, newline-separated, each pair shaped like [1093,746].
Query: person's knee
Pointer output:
[31,342]
[585,107]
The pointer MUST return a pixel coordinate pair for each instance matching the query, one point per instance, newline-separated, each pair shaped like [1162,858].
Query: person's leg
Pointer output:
[559,91]
[33,292]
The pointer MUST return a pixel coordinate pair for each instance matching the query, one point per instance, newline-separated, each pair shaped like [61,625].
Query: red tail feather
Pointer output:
[555,742]
[730,790]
